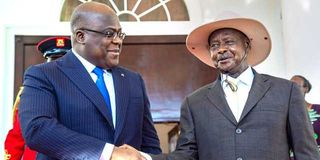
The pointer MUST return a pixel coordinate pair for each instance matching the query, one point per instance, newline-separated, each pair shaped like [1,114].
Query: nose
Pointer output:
[117,39]
[222,50]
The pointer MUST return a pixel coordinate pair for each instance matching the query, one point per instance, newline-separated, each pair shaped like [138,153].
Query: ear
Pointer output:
[80,36]
[247,45]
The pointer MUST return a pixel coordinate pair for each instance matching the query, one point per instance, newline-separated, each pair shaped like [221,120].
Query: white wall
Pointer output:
[301,27]
[41,17]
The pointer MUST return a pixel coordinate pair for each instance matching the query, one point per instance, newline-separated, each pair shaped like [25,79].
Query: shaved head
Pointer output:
[84,14]
[91,26]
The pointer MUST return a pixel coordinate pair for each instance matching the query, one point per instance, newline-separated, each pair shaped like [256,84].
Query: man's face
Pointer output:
[100,49]
[227,50]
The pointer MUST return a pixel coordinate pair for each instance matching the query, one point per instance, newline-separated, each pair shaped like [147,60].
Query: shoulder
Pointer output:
[275,81]
[200,93]
[274,78]
[202,90]
[41,66]
[126,72]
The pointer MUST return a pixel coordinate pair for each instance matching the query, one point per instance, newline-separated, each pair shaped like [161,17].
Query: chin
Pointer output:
[113,65]
[229,66]
[225,70]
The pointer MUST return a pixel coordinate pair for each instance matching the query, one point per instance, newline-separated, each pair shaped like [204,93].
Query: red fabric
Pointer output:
[14,144]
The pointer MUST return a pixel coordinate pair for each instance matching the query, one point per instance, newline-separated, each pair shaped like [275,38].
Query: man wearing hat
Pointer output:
[242,115]
[15,148]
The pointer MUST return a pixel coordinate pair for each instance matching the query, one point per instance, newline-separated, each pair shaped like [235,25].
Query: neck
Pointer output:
[239,71]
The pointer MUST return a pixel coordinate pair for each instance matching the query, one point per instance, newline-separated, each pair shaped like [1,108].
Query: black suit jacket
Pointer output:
[64,116]
[273,121]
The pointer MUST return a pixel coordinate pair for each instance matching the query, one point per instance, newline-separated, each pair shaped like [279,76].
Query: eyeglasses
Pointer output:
[108,33]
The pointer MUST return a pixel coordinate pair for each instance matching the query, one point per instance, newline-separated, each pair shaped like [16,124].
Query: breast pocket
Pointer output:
[269,106]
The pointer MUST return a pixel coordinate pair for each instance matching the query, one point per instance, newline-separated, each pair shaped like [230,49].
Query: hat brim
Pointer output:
[48,47]
[197,40]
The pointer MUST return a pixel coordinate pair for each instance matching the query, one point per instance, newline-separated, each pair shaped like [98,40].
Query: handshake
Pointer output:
[126,152]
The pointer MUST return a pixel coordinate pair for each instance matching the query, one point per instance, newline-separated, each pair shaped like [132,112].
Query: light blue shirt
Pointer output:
[237,100]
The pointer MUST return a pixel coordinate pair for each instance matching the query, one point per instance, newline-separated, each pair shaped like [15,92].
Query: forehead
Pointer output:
[96,20]
[104,21]
[226,32]
[297,79]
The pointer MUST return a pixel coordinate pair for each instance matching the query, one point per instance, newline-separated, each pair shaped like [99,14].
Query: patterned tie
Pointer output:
[102,87]
[232,84]
[234,96]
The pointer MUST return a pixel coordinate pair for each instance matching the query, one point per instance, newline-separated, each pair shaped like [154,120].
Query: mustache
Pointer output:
[224,56]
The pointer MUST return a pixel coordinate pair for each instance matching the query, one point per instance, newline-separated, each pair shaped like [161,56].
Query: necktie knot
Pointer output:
[98,71]
[232,83]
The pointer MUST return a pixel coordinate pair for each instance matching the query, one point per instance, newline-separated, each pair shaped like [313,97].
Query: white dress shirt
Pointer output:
[237,100]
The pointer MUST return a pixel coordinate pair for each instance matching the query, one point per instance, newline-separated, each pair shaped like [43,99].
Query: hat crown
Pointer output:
[54,46]
[227,15]
[197,40]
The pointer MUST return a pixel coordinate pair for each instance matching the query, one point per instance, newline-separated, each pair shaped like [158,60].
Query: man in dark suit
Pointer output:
[83,105]
[243,115]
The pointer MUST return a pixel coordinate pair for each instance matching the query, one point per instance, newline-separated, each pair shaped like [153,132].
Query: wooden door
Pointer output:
[169,70]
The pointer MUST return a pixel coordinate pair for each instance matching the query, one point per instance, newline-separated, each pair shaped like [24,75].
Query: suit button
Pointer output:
[238,131]
[239,158]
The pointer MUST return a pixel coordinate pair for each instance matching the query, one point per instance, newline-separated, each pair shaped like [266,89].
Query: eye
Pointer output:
[121,35]
[229,42]
[214,45]
[109,34]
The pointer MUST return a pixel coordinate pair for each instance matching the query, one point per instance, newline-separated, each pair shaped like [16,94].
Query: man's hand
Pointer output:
[126,152]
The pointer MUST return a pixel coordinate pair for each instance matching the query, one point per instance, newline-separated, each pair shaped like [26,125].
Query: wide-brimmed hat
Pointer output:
[197,40]
[54,46]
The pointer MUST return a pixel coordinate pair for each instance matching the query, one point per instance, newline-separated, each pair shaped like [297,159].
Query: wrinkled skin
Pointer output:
[228,49]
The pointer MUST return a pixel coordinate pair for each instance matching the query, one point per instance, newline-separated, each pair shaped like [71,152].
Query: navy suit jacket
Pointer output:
[64,116]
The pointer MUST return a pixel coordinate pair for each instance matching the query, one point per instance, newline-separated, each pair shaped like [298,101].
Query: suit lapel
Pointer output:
[76,72]
[122,98]
[216,96]
[259,87]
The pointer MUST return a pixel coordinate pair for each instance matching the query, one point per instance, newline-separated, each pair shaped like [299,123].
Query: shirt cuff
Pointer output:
[107,151]
[146,156]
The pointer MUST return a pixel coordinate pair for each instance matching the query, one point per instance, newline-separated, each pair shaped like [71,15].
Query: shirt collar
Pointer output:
[89,66]
[245,77]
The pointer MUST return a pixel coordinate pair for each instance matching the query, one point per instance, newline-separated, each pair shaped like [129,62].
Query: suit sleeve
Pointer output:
[186,146]
[300,130]
[41,129]
[150,140]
